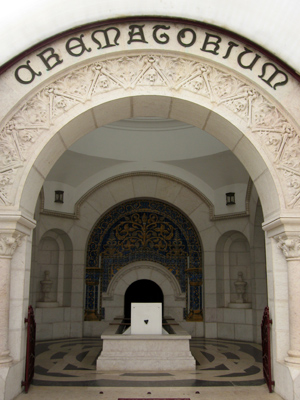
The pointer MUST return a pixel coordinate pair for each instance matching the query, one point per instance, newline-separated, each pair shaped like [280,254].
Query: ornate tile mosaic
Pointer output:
[144,230]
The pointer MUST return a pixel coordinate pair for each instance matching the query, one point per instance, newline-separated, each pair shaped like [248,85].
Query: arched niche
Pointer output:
[174,298]
[144,230]
[233,256]
[48,262]
[53,253]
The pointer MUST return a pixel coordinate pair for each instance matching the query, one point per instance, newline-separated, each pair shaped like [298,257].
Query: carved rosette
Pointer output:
[265,122]
[290,246]
[9,242]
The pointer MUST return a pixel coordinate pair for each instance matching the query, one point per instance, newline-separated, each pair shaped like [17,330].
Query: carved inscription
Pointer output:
[162,34]
[265,122]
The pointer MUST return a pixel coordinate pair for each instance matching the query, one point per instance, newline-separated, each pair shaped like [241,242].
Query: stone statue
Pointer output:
[240,287]
[46,285]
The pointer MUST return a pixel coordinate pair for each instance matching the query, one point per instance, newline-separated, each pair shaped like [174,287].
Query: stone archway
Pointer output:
[174,299]
[244,109]
[220,92]
[195,90]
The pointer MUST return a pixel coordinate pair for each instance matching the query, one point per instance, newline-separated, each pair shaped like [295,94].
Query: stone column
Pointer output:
[290,246]
[9,241]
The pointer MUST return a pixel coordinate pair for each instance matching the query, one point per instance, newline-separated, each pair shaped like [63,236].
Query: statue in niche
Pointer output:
[46,285]
[240,287]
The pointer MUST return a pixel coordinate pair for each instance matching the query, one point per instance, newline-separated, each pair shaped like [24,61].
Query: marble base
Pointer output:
[293,361]
[46,304]
[240,305]
[146,352]
[5,357]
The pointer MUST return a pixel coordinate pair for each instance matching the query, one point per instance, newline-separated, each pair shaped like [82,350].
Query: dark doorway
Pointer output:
[142,291]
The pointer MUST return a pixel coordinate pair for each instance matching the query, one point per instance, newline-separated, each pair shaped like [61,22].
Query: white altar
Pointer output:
[146,345]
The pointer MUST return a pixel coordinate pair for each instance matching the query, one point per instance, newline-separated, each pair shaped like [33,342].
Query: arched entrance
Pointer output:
[142,291]
[44,121]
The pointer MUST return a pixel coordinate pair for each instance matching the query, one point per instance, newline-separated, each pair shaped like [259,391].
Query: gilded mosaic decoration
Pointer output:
[144,230]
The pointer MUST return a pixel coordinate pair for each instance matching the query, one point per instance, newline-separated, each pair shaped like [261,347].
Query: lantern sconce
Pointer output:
[230,198]
[59,196]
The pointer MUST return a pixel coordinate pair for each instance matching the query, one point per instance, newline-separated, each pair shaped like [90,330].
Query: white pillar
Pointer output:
[8,243]
[290,246]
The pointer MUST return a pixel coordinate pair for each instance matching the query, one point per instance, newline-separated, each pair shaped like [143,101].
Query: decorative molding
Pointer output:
[143,265]
[289,245]
[150,174]
[9,242]
[265,123]
[197,192]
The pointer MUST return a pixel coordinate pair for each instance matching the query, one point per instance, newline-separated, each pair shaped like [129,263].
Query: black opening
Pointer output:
[142,291]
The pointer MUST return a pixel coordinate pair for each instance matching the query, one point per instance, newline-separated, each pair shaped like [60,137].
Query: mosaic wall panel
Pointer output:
[143,230]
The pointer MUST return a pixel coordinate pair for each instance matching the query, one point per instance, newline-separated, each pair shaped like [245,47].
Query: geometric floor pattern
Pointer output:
[72,362]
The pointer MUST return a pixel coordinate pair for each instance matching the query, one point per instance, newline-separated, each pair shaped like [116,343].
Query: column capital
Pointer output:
[289,245]
[9,241]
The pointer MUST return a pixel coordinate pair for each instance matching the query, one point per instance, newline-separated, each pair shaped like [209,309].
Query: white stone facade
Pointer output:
[41,119]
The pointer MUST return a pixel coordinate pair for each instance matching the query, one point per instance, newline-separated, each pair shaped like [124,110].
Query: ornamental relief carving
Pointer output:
[276,135]
[290,246]
[9,243]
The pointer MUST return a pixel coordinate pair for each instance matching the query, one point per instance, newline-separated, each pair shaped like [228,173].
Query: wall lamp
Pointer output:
[59,196]
[230,198]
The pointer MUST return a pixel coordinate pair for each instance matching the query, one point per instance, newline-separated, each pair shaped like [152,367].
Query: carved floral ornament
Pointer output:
[290,246]
[265,122]
[9,242]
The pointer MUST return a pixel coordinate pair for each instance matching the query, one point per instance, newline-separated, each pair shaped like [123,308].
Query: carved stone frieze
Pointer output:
[290,246]
[9,243]
[265,122]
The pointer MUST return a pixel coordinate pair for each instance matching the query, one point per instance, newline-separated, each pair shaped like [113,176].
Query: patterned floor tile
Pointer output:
[72,362]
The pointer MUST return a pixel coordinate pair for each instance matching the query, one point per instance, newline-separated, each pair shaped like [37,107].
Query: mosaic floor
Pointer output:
[71,362]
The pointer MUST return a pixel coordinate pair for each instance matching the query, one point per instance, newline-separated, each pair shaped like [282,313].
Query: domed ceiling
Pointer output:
[147,144]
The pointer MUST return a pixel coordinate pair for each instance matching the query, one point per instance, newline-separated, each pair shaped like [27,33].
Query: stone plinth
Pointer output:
[146,352]
[240,305]
[47,304]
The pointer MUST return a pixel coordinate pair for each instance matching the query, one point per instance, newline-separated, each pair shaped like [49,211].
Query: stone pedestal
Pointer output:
[48,304]
[240,305]
[146,352]
[240,287]
[46,285]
